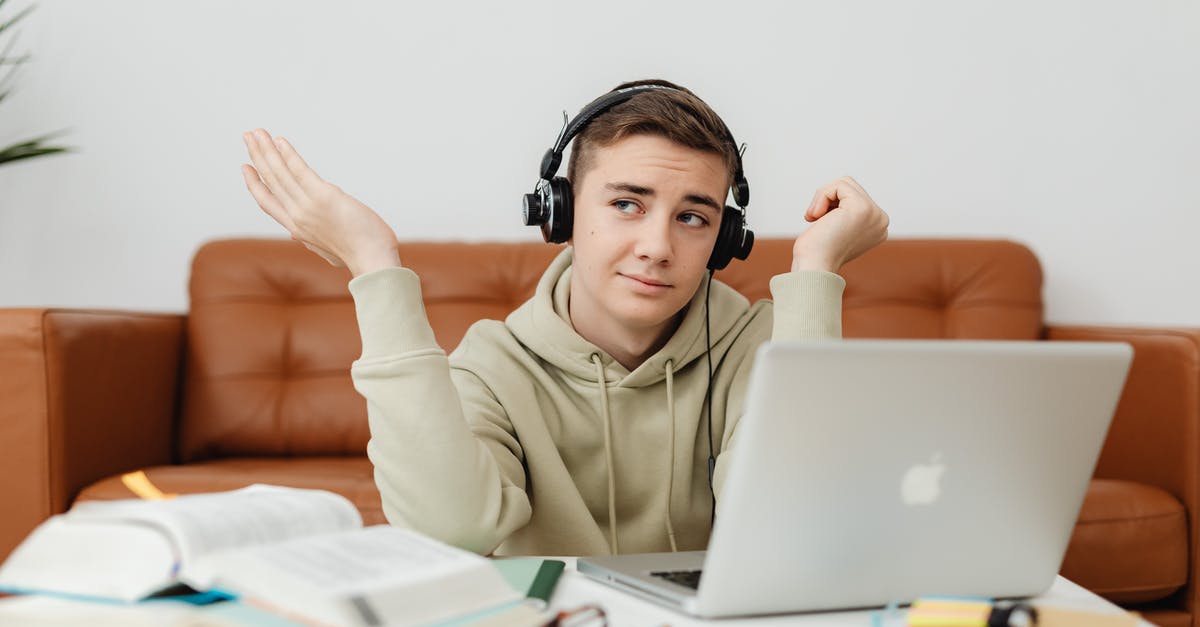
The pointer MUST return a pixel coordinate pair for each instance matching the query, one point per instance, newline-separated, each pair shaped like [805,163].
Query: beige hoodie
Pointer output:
[529,439]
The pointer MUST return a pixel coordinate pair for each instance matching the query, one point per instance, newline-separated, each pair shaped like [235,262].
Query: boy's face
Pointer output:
[647,214]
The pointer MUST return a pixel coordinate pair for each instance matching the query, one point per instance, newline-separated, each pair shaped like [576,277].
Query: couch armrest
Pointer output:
[1155,434]
[83,395]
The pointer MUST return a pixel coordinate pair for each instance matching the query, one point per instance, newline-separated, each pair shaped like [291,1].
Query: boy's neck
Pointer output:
[629,347]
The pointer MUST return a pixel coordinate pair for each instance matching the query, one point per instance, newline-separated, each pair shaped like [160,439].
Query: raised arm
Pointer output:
[461,484]
[447,459]
[808,300]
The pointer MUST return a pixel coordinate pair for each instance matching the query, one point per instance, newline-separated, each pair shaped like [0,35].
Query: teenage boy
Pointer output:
[581,424]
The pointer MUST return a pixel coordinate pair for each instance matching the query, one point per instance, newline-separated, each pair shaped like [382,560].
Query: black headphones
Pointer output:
[551,206]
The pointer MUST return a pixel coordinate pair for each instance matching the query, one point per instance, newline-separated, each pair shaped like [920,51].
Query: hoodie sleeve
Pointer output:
[461,484]
[808,305]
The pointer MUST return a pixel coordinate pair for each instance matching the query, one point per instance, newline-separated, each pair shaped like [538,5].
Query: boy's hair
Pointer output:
[676,114]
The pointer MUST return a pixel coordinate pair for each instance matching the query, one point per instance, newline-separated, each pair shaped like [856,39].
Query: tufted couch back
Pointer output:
[272,332]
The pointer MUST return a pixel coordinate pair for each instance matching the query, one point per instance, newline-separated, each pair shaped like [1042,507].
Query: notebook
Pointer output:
[867,472]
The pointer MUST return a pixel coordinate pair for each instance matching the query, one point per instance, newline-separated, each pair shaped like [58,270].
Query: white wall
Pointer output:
[1071,126]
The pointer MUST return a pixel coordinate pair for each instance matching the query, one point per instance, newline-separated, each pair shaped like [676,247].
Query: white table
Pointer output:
[575,589]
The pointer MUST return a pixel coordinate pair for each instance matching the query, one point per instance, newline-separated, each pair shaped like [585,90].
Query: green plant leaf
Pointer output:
[16,18]
[37,146]
[34,147]
[18,152]
[5,59]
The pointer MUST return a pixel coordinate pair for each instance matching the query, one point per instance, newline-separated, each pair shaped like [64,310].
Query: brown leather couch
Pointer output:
[253,385]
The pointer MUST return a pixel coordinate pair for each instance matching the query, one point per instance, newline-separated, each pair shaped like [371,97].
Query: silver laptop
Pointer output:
[869,472]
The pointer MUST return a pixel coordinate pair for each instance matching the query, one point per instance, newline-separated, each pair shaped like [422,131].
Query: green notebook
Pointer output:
[533,576]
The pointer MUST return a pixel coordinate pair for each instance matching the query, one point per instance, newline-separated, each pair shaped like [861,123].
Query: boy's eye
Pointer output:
[625,206]
[693,219]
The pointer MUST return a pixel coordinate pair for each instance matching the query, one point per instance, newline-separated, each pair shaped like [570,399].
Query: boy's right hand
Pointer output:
[318,214]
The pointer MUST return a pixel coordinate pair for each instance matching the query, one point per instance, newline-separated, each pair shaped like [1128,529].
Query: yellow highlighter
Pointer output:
[141,486]
[951,612]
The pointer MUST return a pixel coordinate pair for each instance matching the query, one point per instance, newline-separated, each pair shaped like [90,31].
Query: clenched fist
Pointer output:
[847,223]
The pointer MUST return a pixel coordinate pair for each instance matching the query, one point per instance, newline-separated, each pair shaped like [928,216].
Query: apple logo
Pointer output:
[922,483]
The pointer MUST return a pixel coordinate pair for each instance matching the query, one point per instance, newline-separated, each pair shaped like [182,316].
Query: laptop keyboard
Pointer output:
[686,578]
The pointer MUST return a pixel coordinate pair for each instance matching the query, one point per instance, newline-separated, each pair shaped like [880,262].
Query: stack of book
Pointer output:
[303,554]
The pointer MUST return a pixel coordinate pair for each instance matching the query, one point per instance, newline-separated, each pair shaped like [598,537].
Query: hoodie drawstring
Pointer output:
[608,455]
[671,467]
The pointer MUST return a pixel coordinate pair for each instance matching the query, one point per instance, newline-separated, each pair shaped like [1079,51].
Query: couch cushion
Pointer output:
[351,477]
[921,288]
[1130,544]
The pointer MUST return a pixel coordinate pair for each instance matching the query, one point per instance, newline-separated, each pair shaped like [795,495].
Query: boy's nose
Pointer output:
[654,240]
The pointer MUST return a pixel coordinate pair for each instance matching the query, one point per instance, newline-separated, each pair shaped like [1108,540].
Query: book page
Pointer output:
[327,576]
[200,524]
[94,559]
[344,563]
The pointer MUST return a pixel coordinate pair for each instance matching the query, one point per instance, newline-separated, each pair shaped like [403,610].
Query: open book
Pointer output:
[300,552]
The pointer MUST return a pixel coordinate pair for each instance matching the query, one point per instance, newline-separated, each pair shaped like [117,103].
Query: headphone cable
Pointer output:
[712,459]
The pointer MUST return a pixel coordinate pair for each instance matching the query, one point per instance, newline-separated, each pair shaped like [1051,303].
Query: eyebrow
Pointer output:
[697,199]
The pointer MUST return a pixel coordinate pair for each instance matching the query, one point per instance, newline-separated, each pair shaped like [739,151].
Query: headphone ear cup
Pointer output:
[729,236]
[747,244]
[558,207]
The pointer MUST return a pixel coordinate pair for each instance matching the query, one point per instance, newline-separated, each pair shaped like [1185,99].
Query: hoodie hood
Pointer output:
[543,325]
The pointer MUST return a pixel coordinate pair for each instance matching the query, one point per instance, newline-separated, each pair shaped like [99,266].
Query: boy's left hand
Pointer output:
[847,223]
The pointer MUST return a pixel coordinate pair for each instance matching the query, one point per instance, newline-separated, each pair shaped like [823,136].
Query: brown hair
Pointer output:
[676,114]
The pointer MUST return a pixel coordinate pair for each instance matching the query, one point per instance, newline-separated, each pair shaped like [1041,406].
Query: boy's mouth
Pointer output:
[644,280]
